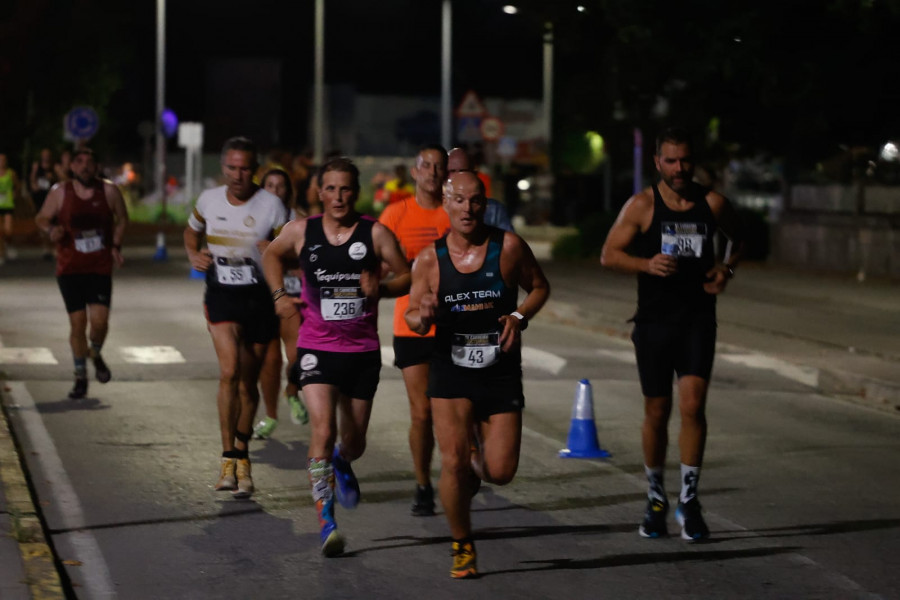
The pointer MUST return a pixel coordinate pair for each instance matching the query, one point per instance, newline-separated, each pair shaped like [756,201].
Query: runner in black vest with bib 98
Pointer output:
[466,284]
[670,228]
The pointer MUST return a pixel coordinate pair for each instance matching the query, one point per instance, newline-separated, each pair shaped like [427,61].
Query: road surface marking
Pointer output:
[532,358]
[805,375]
[27,356]
[387,356]
[95,579]
[626,356]
[151,355]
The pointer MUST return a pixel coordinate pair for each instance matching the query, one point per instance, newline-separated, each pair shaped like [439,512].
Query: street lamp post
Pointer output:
[161,254]
[319,86]
[446,70]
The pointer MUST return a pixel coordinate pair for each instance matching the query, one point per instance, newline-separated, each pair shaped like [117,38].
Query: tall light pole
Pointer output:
[548,82]
[446,72]
[160,134]
[319,86]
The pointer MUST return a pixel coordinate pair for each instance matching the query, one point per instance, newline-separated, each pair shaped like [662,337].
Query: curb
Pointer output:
[39,573]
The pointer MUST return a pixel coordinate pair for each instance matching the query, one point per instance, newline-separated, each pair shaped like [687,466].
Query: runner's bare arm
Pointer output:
[634,217]
[200,259]
[120,212]
[390,254]
[285,246]
[423,291]
[528,275]
[729,223]
[47,215]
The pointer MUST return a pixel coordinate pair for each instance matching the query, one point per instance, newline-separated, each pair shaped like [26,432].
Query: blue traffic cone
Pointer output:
[161,255]
[582,442]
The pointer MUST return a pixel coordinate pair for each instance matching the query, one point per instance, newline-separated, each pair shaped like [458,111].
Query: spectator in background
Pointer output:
[63,168]
[278,182]
[9,190]
[400,187]
[40,180]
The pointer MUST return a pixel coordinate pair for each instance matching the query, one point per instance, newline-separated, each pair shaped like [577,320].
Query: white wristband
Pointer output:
[523,322]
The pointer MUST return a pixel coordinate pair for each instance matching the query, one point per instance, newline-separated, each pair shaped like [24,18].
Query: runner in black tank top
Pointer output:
[467,284]
[688,236]
[664,234]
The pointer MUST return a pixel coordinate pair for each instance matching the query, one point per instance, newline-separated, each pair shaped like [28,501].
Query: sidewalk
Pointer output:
[839,335]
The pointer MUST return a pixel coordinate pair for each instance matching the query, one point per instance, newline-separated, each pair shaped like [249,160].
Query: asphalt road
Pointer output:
[800,483]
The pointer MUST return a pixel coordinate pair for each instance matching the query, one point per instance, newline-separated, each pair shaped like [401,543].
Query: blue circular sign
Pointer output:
[82,122]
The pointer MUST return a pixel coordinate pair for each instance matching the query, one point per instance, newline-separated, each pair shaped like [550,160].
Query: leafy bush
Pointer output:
[588,242]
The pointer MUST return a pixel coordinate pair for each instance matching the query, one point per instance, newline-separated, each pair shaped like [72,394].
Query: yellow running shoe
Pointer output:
[464,563]
[244,480]
[226,478]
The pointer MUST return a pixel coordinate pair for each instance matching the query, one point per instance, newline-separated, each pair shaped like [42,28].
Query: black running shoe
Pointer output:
[101,370]
[654,524]
[79,390]
[693,527]
[423,504]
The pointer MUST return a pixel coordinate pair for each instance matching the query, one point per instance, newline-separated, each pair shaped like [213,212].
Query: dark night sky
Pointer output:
[379,47]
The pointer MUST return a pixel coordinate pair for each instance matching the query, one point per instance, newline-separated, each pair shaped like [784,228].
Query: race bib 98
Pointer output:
[683,239]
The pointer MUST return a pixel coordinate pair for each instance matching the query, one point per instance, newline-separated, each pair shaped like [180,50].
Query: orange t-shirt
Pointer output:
[486,180]
[415,228]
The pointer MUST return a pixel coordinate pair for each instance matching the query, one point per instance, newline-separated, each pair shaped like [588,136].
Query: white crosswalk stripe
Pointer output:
[151,355]
[27,356]
[532,359]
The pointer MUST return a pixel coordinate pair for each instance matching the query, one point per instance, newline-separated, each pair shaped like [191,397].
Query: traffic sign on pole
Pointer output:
[81,123]
[471,106]
[491,129]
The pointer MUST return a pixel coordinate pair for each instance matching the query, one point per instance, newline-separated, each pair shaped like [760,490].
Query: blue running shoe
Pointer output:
[332,540]
[347,487]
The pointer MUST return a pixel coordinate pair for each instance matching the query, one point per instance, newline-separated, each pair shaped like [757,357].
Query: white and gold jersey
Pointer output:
[232,232]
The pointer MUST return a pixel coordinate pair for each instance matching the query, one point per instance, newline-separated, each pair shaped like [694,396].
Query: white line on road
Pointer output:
[532,358]
[151,355]
[805,375]
[27,356]
[96,580]
[626,356]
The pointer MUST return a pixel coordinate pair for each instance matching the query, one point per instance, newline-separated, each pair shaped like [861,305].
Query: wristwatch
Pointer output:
[729,271]
[523,322]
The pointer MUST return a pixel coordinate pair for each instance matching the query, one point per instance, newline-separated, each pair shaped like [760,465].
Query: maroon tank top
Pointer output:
[87,242]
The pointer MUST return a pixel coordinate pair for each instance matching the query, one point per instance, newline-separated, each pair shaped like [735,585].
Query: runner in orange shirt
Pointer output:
[418,221]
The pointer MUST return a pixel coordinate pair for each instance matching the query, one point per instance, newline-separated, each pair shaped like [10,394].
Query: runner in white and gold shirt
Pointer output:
[237,221]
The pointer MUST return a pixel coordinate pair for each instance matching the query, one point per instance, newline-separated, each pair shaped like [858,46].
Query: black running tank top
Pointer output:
[470,306]
[687,235]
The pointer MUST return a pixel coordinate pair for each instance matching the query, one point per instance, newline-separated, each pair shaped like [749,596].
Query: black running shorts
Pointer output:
[492,391]
[664,349]
[251,308]
[80,289]
[409,351]
[355,374]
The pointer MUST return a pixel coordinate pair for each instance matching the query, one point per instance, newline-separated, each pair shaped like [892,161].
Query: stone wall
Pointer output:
[849,229]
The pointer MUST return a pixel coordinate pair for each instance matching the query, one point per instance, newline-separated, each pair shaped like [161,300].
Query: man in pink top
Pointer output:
[339,356]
